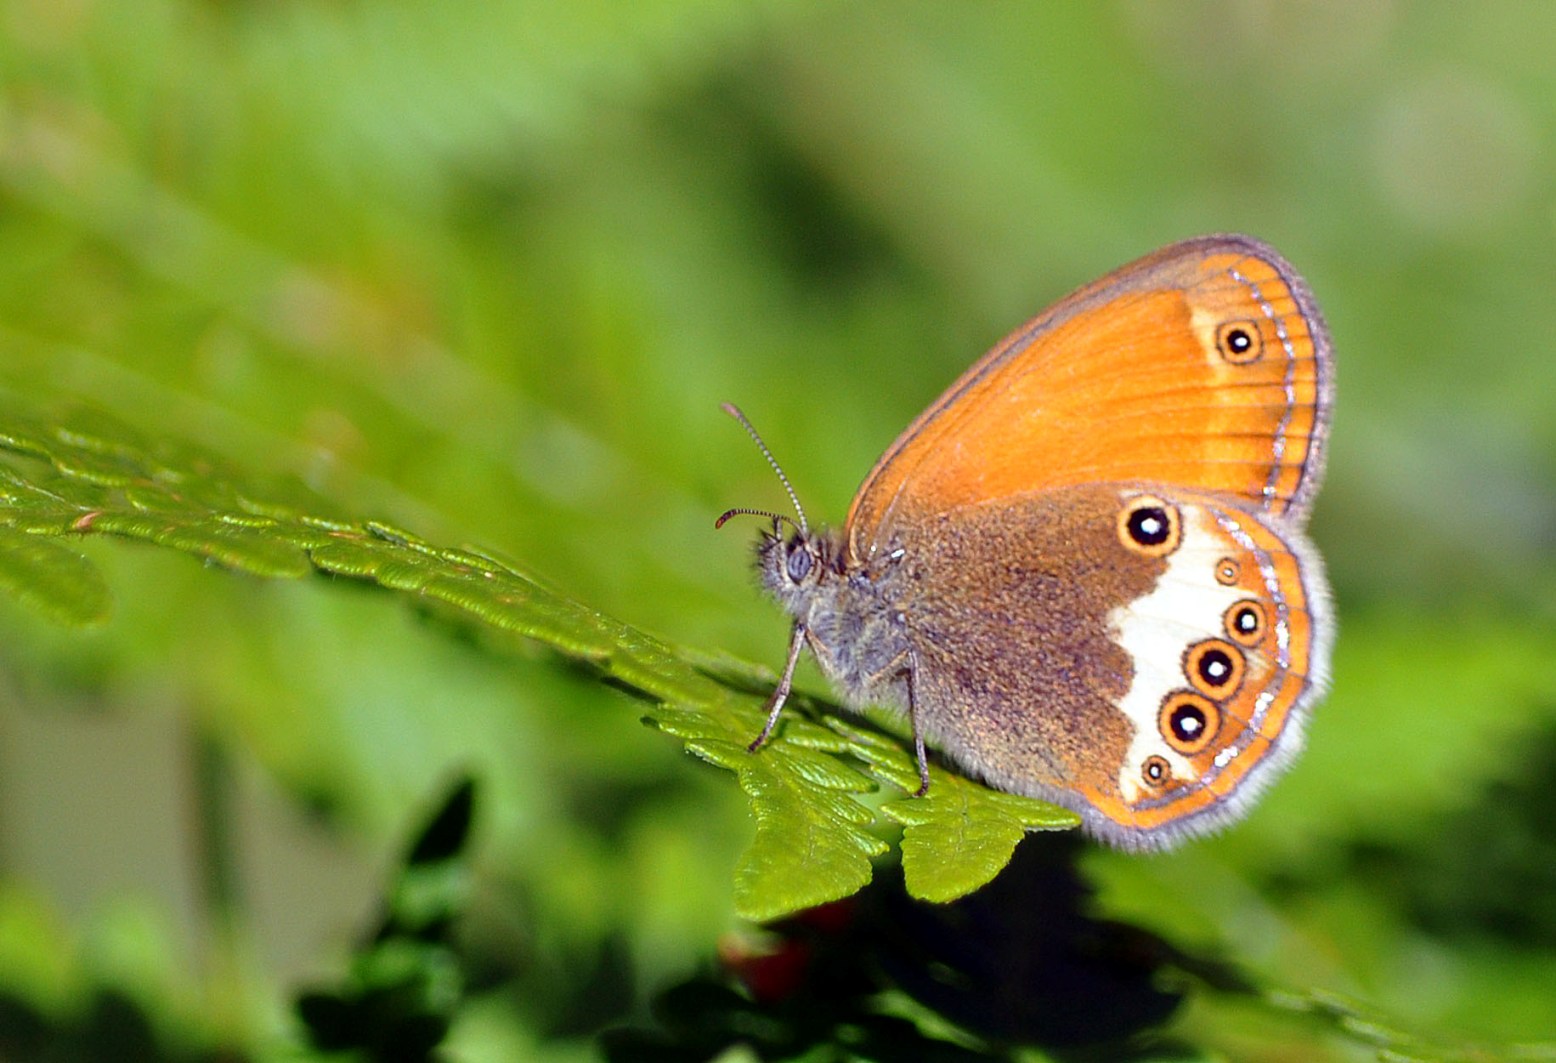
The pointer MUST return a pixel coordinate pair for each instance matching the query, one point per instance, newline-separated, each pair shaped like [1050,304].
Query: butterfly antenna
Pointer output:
[739,511]
[734,411]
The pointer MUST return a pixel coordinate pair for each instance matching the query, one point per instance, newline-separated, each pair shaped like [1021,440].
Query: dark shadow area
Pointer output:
[109,1027]
[1022,962]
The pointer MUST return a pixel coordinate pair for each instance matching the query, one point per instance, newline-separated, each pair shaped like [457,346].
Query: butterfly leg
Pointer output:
[785,684]
[905,665]
[918,736]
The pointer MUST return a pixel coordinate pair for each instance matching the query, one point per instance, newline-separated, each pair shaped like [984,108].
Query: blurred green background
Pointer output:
[487,270]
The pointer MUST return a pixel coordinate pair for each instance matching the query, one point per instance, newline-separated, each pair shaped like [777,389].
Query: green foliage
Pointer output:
[62,585]
[486,272]
[814,840]
[405,982]
[981,827]
[812,790]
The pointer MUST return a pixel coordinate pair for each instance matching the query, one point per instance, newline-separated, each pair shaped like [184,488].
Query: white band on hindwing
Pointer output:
[1187,606]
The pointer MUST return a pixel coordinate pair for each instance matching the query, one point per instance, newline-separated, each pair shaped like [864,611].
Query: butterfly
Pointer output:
[1082,571]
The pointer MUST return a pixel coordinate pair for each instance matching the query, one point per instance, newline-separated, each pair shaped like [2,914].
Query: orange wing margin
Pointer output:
[1204,365]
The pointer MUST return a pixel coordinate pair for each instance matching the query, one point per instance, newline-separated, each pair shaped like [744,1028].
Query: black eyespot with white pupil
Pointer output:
[1187,723]
[1156,771]
[1245,623]
[1148,526]
[1215,667]
[1239,342]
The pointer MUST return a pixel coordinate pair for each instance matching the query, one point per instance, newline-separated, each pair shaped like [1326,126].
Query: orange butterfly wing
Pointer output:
[1205,365]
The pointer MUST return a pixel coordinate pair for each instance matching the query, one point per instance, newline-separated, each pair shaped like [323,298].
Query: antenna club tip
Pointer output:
[731,409]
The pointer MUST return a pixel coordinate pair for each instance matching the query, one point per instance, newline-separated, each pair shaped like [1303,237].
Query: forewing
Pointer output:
[1205,365]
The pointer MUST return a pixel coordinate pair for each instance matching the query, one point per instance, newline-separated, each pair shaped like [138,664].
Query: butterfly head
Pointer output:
[793,567]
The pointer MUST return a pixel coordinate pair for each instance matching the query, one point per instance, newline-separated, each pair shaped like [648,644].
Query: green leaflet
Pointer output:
[812,789]
[59,583]
[813,842]
[960,834]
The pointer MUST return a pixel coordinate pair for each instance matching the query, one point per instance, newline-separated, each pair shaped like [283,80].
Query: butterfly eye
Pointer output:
[1239,342]
[1149,526]
[1156,771]
[1188,722]
[799,562]
[1245,623]
[1214,667]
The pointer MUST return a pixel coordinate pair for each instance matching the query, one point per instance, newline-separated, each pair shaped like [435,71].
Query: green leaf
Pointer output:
[59,583]
[812,788]
[960,834]
[813,842]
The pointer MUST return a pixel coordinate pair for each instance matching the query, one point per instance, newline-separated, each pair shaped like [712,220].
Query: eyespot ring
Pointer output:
[1214,668]
[1188,721]
[1227,571]
[1149,526]
[1245,622]
[1156,772]
[1239,342]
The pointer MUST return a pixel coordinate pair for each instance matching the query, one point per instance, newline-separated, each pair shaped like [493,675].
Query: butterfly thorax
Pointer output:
[848,610]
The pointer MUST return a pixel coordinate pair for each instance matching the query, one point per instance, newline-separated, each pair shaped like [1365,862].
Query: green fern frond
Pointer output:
[813,789]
